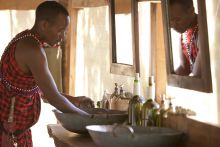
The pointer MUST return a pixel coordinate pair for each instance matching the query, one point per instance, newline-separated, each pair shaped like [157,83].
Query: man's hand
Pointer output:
[85,102]
[80,101]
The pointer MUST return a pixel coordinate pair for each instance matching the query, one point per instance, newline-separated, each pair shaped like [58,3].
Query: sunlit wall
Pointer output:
[93,54]
[11,24]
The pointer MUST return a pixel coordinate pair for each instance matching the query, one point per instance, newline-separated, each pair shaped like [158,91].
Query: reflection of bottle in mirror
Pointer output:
[135,104]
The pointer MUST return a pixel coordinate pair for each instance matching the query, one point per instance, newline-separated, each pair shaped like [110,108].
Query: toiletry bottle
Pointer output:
[170,109]
[137,86]
[135,104]
[104,101]
[148,109]
[160,112]
[122,94]
[146,113]
[98,104]
[151,88]
[113,98]
[123,101]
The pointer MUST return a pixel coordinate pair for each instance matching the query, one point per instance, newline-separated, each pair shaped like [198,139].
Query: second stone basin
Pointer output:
[127,136]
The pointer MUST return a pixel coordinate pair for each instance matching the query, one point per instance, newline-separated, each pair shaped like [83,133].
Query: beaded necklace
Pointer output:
[29,34]
[188,44]
[8,85]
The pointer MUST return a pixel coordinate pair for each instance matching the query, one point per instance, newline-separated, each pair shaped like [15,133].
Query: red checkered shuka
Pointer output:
[190,43]
[15,83]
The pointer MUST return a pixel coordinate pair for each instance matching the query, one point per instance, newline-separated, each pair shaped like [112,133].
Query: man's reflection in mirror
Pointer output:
[183,20]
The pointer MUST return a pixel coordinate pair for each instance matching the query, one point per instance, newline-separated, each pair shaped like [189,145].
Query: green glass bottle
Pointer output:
[134,111]
[146,113]
[135,104]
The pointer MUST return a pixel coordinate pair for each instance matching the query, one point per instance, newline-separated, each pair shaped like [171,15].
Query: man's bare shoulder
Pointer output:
[29,53]
[29,47]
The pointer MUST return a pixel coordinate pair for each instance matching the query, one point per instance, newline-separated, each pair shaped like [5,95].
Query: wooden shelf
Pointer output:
[65,138]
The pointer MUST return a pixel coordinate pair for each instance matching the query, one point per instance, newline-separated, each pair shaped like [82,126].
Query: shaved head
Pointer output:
[49,10]
[182,14]
[184,3]
[51,22]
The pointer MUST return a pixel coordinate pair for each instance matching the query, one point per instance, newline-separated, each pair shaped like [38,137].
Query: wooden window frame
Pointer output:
[117,68]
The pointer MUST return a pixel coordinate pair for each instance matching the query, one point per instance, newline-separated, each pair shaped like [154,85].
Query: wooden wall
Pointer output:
[197,134]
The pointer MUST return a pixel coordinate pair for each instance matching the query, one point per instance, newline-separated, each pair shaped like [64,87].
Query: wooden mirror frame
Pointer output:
[118,68]
[203,84]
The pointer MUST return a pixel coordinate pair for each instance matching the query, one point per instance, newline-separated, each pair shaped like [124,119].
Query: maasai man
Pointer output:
[24,76]
[183,19]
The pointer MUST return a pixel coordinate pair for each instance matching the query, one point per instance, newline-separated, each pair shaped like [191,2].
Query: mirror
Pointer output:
[186,42]
[123,37]
[183,21]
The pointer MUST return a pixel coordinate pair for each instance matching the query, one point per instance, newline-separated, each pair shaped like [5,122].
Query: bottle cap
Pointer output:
[136,76]
[151,80]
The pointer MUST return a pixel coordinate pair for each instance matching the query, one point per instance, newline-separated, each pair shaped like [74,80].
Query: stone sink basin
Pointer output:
[77,123]
[127,136]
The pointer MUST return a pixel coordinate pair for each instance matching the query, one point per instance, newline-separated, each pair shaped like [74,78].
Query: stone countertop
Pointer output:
[65,138]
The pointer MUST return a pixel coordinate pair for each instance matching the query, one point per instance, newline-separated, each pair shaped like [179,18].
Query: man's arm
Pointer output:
[183,69]
[32,57]
[196,72]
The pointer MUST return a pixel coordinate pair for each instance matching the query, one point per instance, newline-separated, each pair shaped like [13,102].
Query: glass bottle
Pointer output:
[113,98]
[135,104]
[134,111]
[151,88]
[104,101]
[148,111]
[137,87]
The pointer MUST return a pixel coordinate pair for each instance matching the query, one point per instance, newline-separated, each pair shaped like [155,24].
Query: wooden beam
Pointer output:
[65,52]
[32,4]
[72,55]
[135,34]
[161,78]
[19,4]
[153,1]
[122,6]
[153,22]
[88,3]
[69,57]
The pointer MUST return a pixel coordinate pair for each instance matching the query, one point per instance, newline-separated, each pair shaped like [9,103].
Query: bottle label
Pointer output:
[137,90]
[151,92]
